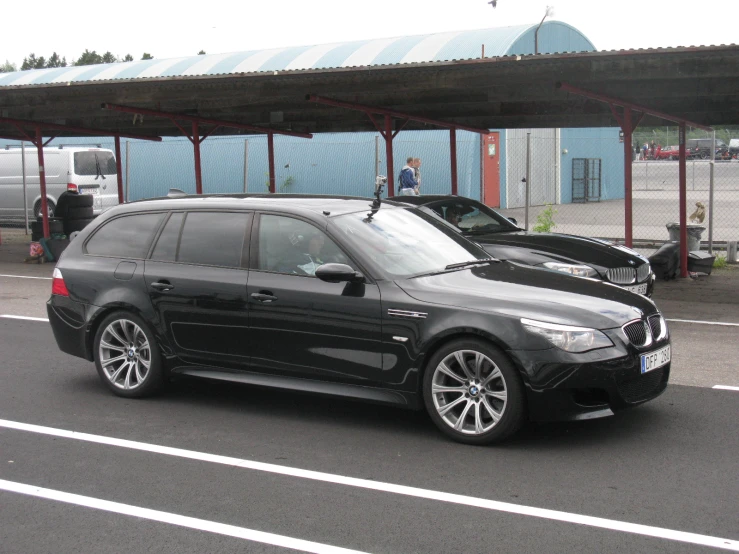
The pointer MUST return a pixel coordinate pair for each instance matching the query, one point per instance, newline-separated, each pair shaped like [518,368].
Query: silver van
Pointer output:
[86,170]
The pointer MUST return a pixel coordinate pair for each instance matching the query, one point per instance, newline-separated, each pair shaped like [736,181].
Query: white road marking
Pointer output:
[703,322]
[725,387]
[7,316]
[173,519]
[602,523]
[25,277]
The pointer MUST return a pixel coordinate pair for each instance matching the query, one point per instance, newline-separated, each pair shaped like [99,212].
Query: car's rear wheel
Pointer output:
[473,393]
[127,357]
[50,208]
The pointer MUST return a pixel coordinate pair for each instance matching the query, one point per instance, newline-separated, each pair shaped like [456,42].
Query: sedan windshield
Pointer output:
[406,242]
[471,217]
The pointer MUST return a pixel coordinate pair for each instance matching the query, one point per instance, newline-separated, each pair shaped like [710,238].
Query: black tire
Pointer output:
[506,382]
[79,212]
[151,378]
[55,227]
[79,200]
[51,207]
[72,225]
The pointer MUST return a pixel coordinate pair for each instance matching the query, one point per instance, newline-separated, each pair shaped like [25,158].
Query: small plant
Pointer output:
[289,180]
[719,262]
[545,220]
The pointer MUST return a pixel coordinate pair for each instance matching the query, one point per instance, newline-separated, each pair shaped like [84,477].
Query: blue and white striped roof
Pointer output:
[554,36]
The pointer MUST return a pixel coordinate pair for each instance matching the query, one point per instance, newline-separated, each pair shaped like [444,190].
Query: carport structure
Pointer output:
[694,86]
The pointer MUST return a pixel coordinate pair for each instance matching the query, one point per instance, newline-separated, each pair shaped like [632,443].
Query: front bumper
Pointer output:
[564,386]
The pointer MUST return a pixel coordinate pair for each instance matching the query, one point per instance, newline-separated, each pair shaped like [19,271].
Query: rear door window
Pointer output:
[207,238]
[125,237]
[94,163]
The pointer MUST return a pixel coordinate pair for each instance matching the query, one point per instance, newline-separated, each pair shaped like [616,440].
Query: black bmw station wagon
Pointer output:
[342,296]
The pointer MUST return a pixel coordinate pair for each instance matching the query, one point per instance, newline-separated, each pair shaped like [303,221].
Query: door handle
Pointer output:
[264,296]
[162,285]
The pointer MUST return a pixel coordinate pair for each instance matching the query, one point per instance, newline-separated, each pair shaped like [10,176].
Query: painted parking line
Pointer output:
[25,277]
[725,387]
[24,317]
[703,322]
[494,505]
[174,519]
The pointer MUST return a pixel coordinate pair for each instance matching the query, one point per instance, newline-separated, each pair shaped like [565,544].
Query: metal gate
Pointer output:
[586,174]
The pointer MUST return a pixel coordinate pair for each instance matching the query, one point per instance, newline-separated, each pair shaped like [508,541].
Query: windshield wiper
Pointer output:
[97,168]
[471,262]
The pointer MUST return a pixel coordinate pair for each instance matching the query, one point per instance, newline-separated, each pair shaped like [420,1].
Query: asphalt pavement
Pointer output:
[669,465]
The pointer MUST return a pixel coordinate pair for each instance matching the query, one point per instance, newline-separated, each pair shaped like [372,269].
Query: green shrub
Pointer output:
[719,262]
[545,220]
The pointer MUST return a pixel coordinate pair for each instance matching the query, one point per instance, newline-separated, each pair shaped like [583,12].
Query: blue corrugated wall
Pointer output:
[593,143]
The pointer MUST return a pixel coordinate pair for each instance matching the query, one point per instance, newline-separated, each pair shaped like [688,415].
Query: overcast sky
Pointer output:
[167,28]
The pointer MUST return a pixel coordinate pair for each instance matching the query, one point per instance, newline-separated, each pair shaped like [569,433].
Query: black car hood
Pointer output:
[534,248]
[521,291]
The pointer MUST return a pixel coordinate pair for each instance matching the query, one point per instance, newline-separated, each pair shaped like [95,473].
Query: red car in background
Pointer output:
[671,153]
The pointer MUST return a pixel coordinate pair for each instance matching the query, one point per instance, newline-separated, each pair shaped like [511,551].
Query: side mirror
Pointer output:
[513,220]
[338,273]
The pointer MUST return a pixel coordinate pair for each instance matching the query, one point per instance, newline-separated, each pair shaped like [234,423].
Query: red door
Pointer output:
[491,170]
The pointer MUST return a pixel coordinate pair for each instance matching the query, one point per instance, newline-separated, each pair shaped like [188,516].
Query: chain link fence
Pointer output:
[578,172]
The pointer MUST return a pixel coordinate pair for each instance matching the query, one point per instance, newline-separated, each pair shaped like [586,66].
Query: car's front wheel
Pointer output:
[127,356]
[473,393]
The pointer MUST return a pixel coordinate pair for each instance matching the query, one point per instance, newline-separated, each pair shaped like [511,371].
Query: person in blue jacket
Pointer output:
[407,183]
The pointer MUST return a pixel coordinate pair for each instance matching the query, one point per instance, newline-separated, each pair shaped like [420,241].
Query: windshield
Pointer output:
[471,217]
[94,163]
[405,242]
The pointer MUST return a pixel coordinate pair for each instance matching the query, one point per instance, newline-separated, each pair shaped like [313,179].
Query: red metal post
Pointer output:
[453,153]
[628,149]
[683,204]
[118,169]
[389,155]
[196,149]
[271,154]
[42,181]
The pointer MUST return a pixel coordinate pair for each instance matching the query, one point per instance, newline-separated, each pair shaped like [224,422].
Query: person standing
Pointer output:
[407,183]
[417,173]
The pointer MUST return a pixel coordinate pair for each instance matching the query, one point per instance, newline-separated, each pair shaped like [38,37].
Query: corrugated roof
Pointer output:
[554,36]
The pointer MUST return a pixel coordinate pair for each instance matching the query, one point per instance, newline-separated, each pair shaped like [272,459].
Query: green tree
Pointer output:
[89,58]
[8,67]
[147,56]
[108,58]
[201,53]
[32,62]
[55,61]
[128,58]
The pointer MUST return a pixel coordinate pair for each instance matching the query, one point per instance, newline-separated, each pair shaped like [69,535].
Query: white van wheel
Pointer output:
[50,207]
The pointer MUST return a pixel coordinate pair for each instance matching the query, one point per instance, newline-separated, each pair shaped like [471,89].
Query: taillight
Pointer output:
[57,284]
[71,187]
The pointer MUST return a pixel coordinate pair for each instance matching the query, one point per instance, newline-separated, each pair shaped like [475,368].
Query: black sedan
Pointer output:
[384,303]
[580,256]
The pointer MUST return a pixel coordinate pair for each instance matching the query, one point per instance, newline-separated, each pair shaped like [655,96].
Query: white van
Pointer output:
[86,170]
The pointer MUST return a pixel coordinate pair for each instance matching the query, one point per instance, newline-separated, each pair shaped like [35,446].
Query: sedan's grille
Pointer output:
[621,275]
[657,326]
[637,333]
[642,272]
[641,387]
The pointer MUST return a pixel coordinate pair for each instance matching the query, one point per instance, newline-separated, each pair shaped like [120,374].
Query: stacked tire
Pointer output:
[75,210]
[37,228]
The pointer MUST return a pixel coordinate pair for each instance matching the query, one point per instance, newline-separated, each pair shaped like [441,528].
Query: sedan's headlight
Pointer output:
[572,269]
[566,337]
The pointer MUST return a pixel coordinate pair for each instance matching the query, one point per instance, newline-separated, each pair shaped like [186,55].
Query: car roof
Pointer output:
[318,203]
[427,198]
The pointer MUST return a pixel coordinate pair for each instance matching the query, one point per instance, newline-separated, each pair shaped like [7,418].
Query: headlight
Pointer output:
[577,270]
[566,337]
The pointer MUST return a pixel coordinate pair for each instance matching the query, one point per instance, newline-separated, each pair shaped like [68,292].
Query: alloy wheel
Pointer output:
[469,392]
[125,354]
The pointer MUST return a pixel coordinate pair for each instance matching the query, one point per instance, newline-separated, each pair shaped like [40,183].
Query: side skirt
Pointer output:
[371,394]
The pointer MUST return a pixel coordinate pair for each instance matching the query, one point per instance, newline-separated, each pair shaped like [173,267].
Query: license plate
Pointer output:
[90,190]
[655,359]
[638,289]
